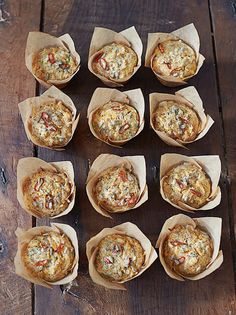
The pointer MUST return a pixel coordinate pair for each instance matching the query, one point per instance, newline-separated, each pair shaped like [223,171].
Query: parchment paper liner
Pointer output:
[103,36]
[27,105]
[102,96]
[39,40]
[28,166]
[25,236]
[188,96]
[209,163]
[128,229]
[189,35]
[104,161]
[211,225]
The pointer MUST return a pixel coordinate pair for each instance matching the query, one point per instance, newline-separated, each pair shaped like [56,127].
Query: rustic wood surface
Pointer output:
[154,292]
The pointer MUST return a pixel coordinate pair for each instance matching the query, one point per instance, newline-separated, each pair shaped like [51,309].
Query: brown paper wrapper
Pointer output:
[209,163]
[211,225]
[25,236]
[27,105]
[103,36]
[37,41]
[102,96]
[189,35]
[128,229]
[28,166]
[188,96]
[105,161]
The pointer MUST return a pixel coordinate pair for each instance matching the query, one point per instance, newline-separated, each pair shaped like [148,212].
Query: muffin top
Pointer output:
[47,193]
[115,61]
[119,257]
[51,123]
[49,256]
[178,120]
[187,183]
[187,250]
[174,58]
[117,189]
[53,63]
[115,121]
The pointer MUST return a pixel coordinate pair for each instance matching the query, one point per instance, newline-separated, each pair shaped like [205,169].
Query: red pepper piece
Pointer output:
[181,185]
[64,66]
[97,58]
[184,120]
[59,248]
[195,192]
[44,116]
[108,261]
[41,262]
[132,200]
[123,175]
[117,108]
[161,48]
[39,184]
[124,128]
[51,128]
[181,259]
[103,63]
[177,243]
[51,58]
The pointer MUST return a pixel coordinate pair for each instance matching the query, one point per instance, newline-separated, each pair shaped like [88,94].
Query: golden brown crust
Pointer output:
[115,61]
[50,124]
[49,256]
[178,120]
[47,193]
[187,183]
[53,63]
[117,189]
[115,121]
[187,250]
[119,257]
[174,58]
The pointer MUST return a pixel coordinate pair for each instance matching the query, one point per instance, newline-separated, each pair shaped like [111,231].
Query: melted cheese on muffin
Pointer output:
[117,189]
[187,183]
[49,256]
[177,120]
[188,250]
[51,124]
[54,63]
[119,257]
[115,61]
[115,121]
[47,193]
[174,58]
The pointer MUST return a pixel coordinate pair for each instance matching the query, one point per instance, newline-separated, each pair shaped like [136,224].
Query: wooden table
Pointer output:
[154,292]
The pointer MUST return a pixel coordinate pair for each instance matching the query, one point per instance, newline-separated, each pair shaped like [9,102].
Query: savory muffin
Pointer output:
[119,257]
[187,250]
[178,120]
[174,58]
[49,256]
[50,124]
[53,63]
[187,183]
[115,121]
[115,61]
[47,193]
[117,189]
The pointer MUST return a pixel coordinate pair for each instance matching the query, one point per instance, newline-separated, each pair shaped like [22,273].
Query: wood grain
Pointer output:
[16,84]
[153,292]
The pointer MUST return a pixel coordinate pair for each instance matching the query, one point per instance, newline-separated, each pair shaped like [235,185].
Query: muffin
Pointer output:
[187,250]
[117,188]
[187,183]
[50,124]
[119,257]
[49,256]
[174,58]
[115,61]
[47,193]
[53,63]
[178,120]
[115,121]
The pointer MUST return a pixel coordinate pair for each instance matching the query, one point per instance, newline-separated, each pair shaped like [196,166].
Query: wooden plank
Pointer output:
[223,18]
[16,84]
[154,292]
